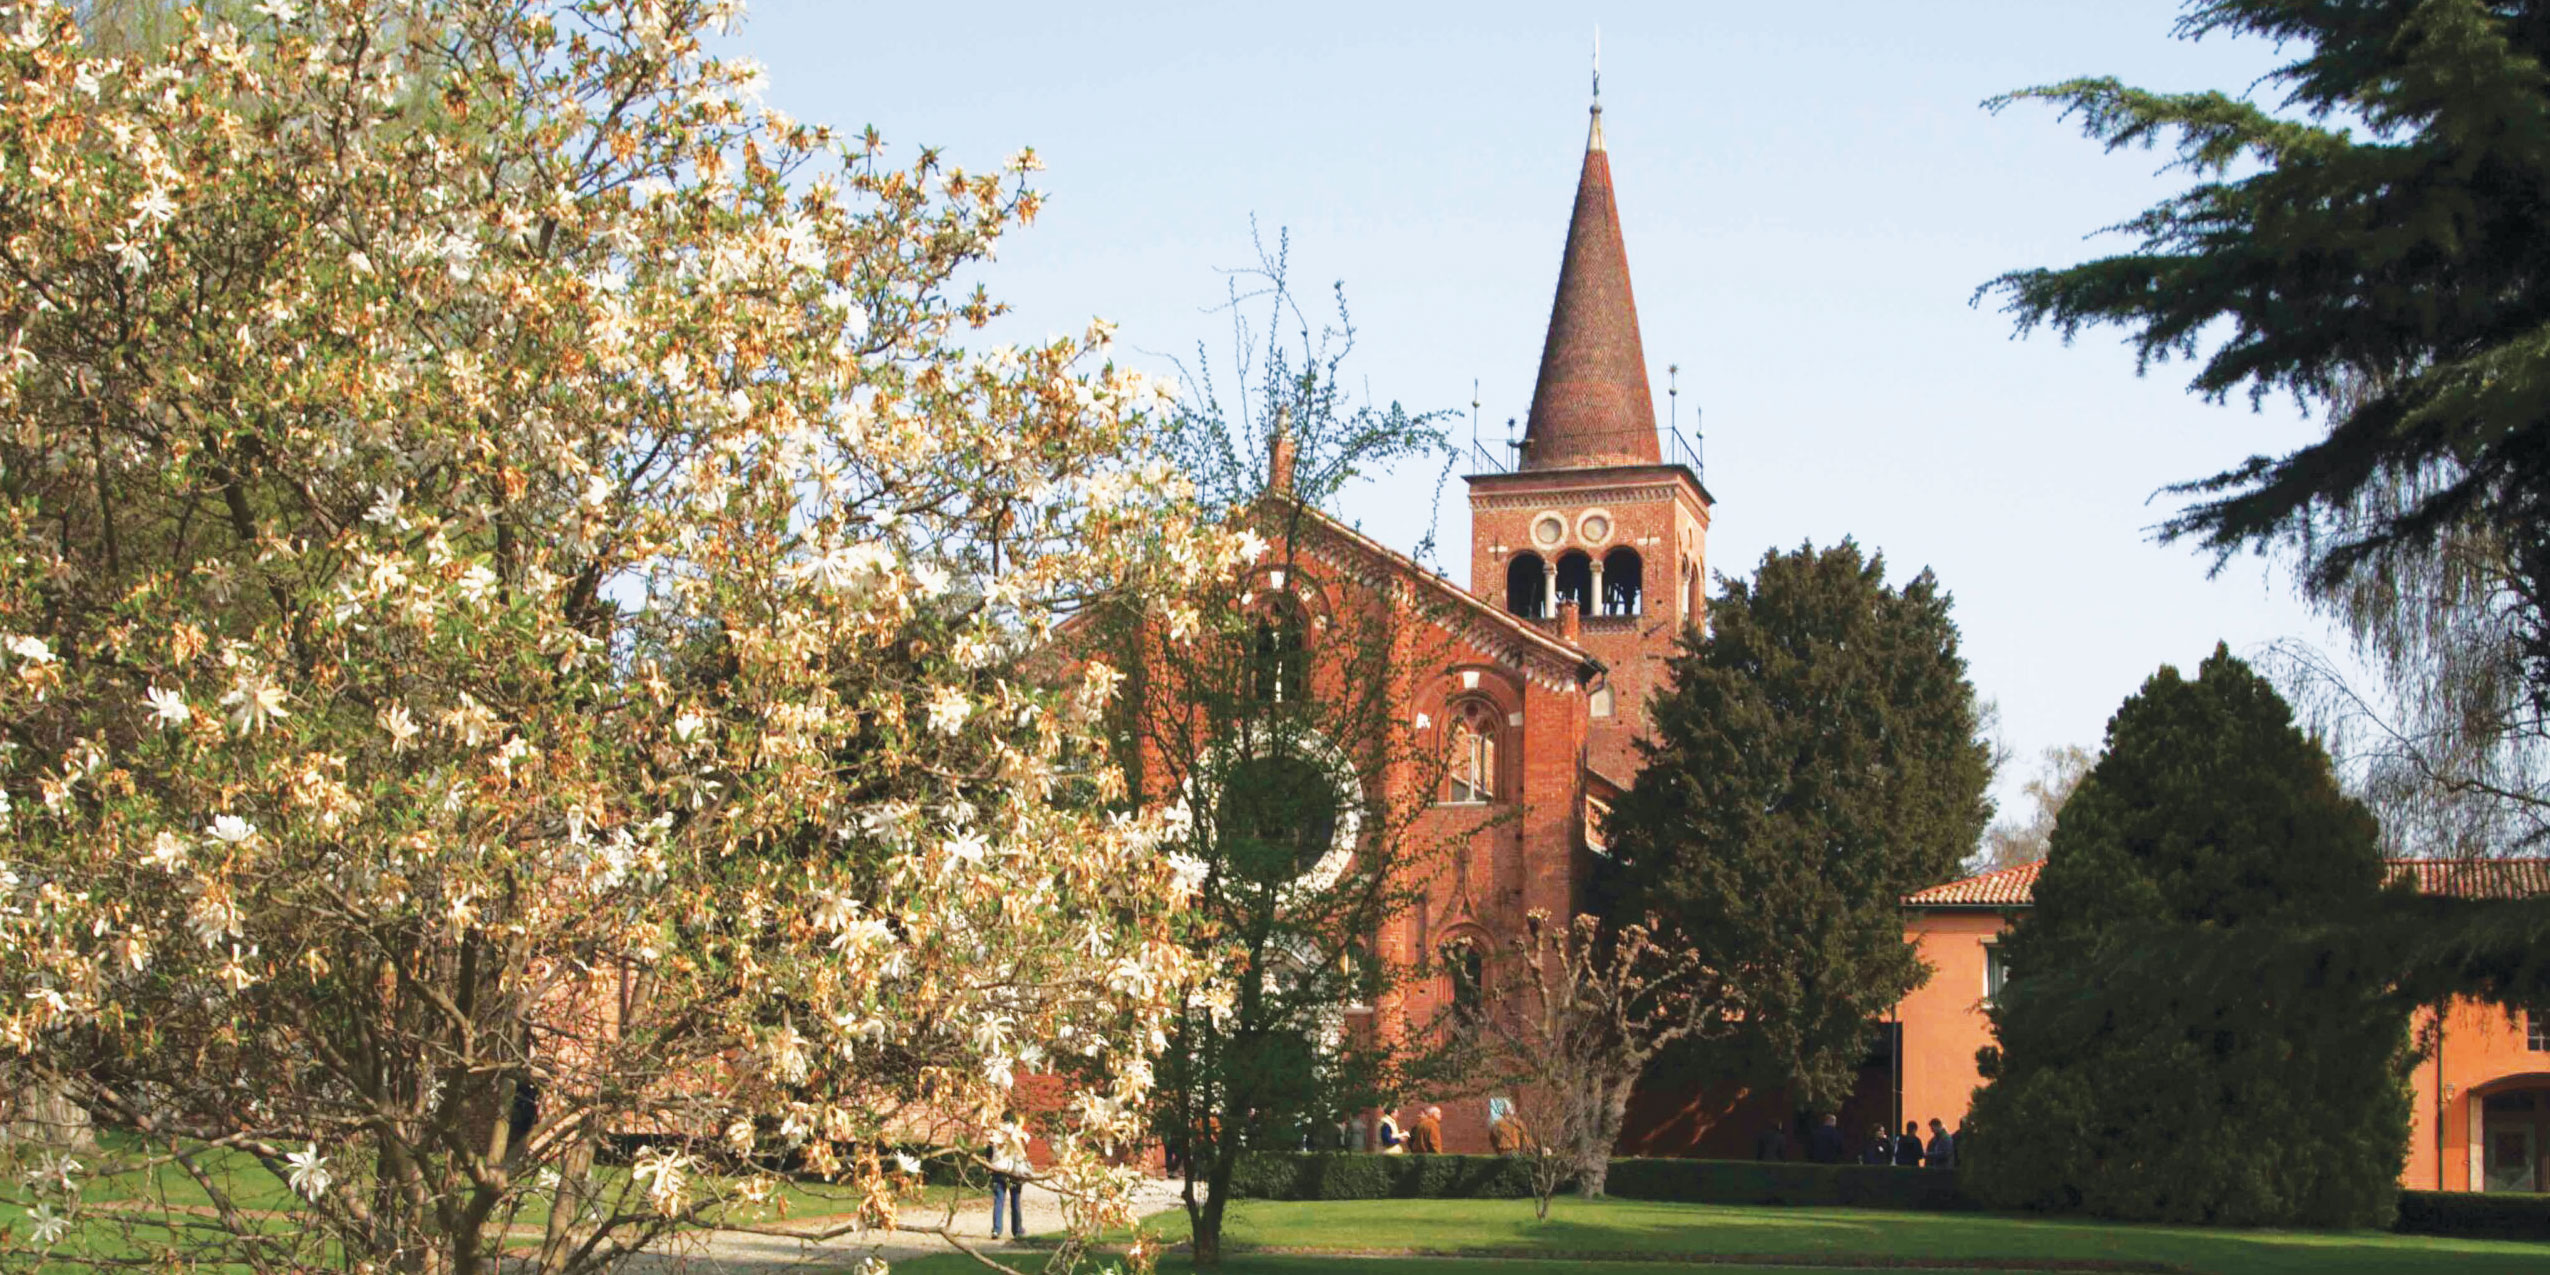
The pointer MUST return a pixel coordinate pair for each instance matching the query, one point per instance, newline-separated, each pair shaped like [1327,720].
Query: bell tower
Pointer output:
[1596,533]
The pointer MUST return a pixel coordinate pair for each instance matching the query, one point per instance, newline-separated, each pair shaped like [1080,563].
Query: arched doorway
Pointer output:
[2510,1121]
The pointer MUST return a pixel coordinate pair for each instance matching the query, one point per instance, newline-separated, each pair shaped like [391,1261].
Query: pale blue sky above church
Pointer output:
[1810,195]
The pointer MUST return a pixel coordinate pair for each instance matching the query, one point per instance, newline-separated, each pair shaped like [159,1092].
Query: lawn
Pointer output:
[1822,1236]
[957,1264]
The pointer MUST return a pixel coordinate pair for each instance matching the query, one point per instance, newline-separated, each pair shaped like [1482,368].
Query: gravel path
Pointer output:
[730,1253]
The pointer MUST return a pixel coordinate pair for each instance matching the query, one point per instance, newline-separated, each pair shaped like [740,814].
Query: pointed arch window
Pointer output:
[1473,753]
[1467,967]
[1278,666]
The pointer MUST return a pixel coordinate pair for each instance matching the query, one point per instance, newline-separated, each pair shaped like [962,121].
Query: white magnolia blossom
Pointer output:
[254,703]
[309,1178]
[168,707]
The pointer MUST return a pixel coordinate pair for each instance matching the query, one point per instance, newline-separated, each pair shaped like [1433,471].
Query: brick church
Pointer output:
[1587,561]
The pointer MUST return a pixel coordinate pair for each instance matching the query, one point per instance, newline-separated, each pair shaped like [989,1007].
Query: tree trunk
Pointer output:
[46,1117]
[1206,1220]
[1593,1155]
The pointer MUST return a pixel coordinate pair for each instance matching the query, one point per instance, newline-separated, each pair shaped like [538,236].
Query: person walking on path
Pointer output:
[1943,1147]
[1908,1147]
[1010,1171]
[1881,1149]
[1824,1145]
[1427,1137]
[1388,1136]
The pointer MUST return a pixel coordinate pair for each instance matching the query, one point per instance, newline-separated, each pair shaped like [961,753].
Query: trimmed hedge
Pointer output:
[1861,1186]
[1350,1175]
[2471,1215]
[1342,1175]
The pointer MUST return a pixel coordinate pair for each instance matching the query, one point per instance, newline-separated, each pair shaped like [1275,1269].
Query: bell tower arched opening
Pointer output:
[1526,585]
[1624,582]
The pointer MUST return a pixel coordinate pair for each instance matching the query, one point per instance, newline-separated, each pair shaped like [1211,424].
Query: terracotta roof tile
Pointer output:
[2458,878]
[2007,888]
[2477,878]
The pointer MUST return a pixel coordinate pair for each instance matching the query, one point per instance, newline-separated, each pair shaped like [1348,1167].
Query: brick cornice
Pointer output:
[1511,641]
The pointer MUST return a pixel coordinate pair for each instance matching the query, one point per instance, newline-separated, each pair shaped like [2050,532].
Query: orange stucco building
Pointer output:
[2482,1085]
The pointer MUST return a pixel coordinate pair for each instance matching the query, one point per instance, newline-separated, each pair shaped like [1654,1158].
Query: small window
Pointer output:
[1597,821]
[1468,969]
[1472,753]
[2536,1031]
[1996,971]
[1279,664]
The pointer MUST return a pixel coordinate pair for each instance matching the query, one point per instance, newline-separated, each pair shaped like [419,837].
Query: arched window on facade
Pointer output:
[1690,593]
[1576,582]
[1525,580]
[1278,662]
[1467,968]
[1471,759]
[1624,581]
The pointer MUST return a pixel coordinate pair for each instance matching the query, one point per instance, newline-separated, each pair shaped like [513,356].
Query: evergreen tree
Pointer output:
[2377,247]
[1816,759]
[2138,1075]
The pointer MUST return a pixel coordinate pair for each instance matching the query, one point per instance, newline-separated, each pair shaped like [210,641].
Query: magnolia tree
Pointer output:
[517,616]
[1573,1019]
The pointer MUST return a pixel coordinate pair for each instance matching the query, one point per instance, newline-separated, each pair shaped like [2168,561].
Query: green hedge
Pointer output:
[2474,1216]
[1348,1175]
[1335,1175]
[1785,1182]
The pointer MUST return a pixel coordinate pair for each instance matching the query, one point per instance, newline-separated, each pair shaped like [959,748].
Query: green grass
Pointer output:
[959,1264]
[1506,1227]
[166,1193]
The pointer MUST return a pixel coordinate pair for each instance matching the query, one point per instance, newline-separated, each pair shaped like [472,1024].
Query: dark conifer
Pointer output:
[1815,761]
[2140,1074]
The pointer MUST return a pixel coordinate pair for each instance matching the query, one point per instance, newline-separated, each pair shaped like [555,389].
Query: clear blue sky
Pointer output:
[1810,195]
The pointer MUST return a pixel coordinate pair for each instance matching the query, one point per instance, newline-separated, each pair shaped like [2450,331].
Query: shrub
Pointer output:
[1322,1175]
[1762,1182]
[1339,1175]
[2474,1216]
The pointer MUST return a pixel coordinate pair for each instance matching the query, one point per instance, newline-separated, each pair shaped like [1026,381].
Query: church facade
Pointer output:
[1588,557]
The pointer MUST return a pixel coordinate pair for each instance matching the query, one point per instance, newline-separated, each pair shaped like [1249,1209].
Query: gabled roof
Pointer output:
[1482,618]
[2476,878]
[2015,887]
[2012,887]
[1592,405]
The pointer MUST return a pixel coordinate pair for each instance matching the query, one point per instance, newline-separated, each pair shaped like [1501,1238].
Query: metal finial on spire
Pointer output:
[1594,135]
[1598,68]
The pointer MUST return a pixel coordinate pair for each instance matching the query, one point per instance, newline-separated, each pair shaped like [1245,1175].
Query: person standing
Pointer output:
[1010,1171]
[1388,1135]
[1881,1149]
[1427,1137]
[1824,1144]
[1943,1147]
[1771,1144]
[1908,1147]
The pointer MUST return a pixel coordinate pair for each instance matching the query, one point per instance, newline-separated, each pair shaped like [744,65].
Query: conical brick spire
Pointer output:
[1592,406]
